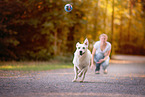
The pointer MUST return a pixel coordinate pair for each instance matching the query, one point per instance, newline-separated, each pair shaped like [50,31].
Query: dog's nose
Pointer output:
[81,52]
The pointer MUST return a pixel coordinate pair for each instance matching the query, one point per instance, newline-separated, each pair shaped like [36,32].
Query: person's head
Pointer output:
[103,38]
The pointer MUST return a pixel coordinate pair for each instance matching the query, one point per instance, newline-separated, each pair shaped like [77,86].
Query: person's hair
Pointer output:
[105,35]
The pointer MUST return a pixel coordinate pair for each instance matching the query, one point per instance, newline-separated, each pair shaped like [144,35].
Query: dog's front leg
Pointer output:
[76,74]
[84,73]
[81,72]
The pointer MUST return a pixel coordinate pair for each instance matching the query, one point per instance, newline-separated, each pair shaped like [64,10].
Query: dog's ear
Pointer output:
[77,44]
[86,42]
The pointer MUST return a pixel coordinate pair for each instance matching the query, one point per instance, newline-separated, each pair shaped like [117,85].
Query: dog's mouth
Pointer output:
[81,53]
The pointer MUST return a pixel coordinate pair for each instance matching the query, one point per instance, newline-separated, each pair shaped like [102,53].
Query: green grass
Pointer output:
[33,66]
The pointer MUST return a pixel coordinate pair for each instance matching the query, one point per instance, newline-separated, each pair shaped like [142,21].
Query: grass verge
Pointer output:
[34,66]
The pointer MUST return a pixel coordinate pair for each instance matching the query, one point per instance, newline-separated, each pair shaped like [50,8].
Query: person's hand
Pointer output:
[92,66]
[101,60]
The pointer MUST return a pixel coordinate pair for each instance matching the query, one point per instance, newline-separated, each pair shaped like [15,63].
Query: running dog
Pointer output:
[81,60]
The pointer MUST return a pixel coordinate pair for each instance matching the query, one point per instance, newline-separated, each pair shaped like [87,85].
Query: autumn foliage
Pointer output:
[41,29]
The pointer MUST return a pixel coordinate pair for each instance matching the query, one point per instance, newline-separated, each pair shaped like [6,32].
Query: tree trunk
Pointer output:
[55,43]
[105,13]
[120,32]
[95,20]
[130,16]
[112,28]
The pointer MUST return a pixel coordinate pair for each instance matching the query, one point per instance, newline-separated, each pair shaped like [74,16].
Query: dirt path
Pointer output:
[123,80]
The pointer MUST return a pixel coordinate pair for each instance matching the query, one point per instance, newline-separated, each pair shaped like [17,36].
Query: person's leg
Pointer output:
[105,64]
[97,68]
[97,57]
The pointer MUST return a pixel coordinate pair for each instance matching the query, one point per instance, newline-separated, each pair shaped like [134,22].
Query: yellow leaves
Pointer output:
[89,36]
[39,6]
[99,32]
[84,18]
[131,79]
[6,67]
[82,39]
[50,1]
[119,6]
[40,2]
[117,21]
[139,0]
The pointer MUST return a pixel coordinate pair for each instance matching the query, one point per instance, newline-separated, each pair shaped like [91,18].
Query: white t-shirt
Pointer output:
[98,49]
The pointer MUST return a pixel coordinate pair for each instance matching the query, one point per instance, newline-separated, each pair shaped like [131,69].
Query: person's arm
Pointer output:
[106,56]
[92,60]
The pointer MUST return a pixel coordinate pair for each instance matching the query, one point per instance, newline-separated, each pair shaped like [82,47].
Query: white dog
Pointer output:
[81,61]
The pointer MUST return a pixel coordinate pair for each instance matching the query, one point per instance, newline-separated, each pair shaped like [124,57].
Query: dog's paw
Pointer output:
[81,81]
[73,80]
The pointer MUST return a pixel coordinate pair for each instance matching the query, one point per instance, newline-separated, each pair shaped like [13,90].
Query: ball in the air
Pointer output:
[68,7]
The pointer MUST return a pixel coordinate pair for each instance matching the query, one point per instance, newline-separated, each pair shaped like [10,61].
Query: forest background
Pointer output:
[43,30]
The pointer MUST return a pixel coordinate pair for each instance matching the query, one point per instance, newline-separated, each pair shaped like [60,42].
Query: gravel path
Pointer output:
[122,80]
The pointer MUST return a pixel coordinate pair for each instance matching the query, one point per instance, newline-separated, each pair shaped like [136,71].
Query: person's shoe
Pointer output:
[105,71]
[97,72]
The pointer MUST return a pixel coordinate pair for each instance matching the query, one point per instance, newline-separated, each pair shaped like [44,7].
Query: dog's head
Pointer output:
[82,48]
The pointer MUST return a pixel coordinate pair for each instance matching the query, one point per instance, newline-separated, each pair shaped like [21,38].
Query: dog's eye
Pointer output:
[78,47]
[83,47]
